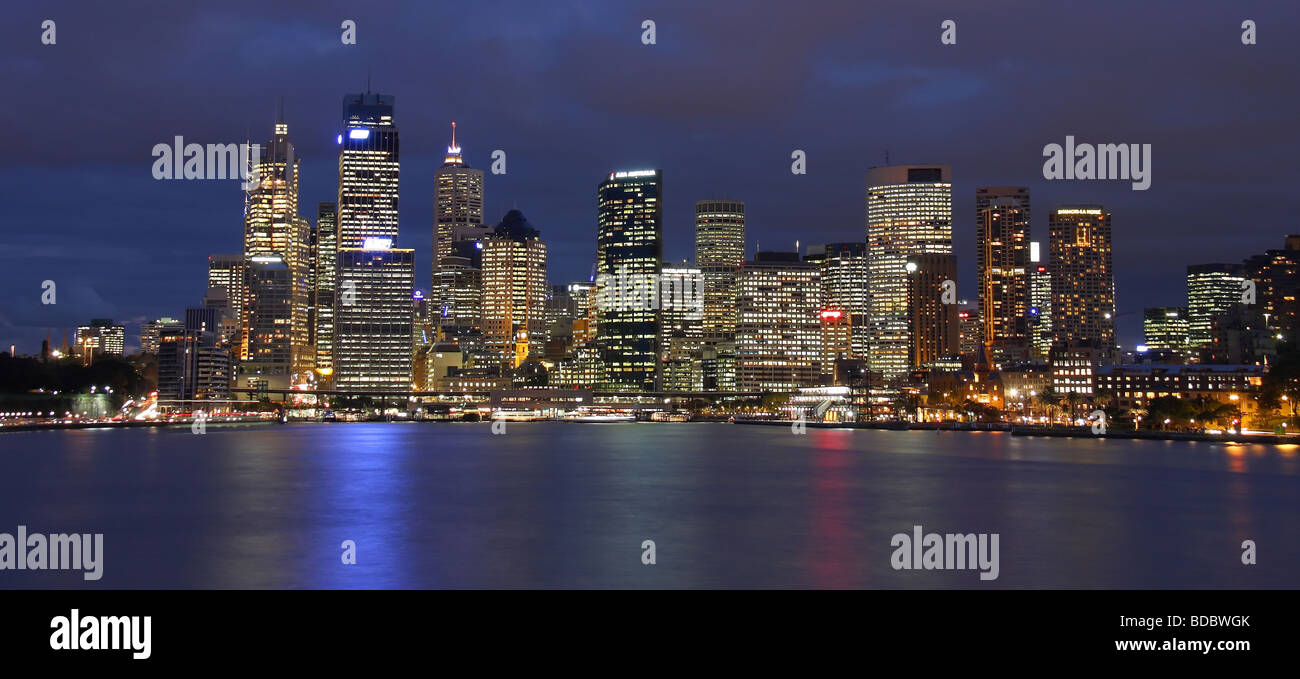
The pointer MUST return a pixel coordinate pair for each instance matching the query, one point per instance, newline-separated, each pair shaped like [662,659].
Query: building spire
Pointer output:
[453,151]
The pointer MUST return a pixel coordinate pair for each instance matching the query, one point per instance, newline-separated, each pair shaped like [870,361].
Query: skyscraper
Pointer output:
[719,252]
[933,326]
[845,278]
[1040,311]
[909,213]
[327,252]
[1002,266]
[368,170]
[266,347]
[1083,282]
[373,317]
[1276,274]
[629,252]
[1212,290]
[457,201]
[986,196]
[778,326]
[681,334]
[273,228]
[514,291]
[228,273]
[1165,329]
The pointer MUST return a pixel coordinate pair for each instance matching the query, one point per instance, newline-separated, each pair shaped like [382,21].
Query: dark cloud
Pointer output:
[569,91]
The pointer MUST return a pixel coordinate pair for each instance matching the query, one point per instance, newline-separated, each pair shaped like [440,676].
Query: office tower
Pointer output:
[561,311]
[373,317]
[269,302]
[845,275]
[368,170]
[327,261]
[228,273]
[1040,310]
[149,333]
[1212,290]
[909,213]
[1276,274]
[100,337]
[514,291]
[987,196]
[1083,283]
[629,250]
[1073,365]
[273,228]
[837,340]
[457,201]
[584,313]
[1165,329]
[933,327]
[970,330]
[719,252]
[458,285]
[778,323]
[1002,269]
[192,363]
[681,329]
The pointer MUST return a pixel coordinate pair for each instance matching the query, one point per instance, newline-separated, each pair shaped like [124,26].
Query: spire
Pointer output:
[453,151]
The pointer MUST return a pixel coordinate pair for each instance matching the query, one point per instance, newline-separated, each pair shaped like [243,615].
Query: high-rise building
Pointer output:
[457,201]
[228,273]
[681,331]
[1040,310]
[934,327]
[629,251]
[778,327]
[266,347]
[1002,269]
[1212,290]
[1165,329]
[273,228]
[368,170]
[1083,282]
[458,285]
[101,337]
[192,362]
[514,291]
[373,317]
[1276,275]
[719,253]
[909,213]
[845,283]
[987,196]
[149,333]
[327,253]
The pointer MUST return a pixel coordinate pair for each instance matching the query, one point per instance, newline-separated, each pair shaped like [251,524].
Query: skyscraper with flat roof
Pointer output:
[368,170]
[374,317]
[719,252]
[1003,272]
[1083,282]
[909,213]
[1212,290]
[629,254]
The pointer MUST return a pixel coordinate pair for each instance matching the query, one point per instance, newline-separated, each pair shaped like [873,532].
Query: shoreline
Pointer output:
[1003,427]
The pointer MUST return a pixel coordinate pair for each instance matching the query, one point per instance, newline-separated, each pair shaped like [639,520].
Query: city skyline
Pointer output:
[153,273]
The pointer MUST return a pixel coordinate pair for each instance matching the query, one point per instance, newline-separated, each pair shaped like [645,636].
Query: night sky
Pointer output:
[570,93]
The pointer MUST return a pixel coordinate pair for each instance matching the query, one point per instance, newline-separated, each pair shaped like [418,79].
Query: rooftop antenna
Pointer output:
[367,80]
[886,156]
[281,108]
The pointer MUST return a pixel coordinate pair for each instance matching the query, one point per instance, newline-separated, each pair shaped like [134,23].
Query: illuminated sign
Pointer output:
[359,133]
[377,244]
[831,314]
